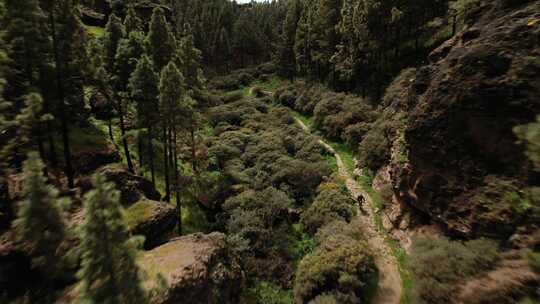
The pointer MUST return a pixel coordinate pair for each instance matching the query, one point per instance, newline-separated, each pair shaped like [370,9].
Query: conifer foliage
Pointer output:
[143,86]
[40,222]
[109,273]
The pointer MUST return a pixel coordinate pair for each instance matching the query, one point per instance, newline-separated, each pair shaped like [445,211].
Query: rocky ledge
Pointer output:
[198,268]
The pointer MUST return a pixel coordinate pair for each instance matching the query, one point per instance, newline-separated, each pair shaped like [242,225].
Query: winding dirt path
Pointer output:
[389,289]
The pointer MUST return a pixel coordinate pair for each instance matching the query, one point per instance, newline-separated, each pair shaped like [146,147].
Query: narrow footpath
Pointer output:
[389,288]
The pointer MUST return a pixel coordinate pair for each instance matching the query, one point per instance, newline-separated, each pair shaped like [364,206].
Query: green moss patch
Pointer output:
[139,212]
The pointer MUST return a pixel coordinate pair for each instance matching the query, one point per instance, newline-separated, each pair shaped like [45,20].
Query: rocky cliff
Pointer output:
[454,157]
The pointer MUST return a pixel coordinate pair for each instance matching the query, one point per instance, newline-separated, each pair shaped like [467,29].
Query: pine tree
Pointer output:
[67,46]
[114,32]
[224,48]
[109,273]
[160,40]
[302,41]
[172,92]
[27,42]
[143,86]
[129,52]
[345,59]
[117,6]
[5,124]
[132,22]
[191,60]
[29,51]
[30,121]
[285,48]
[326,37]
[40,222]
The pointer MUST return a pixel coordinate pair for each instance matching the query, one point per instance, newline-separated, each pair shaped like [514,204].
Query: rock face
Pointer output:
[90,159]
[462,156]
[154,220]
[133,187]
[198,269]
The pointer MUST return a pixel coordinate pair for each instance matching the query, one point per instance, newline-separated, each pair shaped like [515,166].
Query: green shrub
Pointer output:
[233,96]
[330,204]
[337,232]
[267,293]
[342,273]
[438,265]
[354,134]
[374,150]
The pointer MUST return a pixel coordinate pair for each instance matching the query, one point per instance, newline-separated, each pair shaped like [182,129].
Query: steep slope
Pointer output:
[454,157]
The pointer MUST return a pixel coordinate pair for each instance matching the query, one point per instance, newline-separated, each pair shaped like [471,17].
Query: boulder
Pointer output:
[133,188]
[151,219]
[198,268]
[87,160]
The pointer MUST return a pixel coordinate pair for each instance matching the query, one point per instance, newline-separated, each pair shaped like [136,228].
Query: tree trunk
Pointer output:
[193,148]
[177,191]
[52,146]
[123,134]
[167,197]
[41,150]
[140,150]
[109,123]
[61,105]
[151,155]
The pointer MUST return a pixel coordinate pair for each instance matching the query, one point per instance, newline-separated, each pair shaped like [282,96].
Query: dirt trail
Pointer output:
[389,289]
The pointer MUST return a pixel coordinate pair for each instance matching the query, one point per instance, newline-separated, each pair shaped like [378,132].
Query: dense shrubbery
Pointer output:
[343,117]
[243,77]
[257,217]
[438,265]
[330,204]
[271,167]
[339,274]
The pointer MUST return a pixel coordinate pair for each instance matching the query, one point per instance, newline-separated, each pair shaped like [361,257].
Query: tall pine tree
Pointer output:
[285,58]
[40,223]
[143,87]
[109,273]
[160,40]
[132,22]
[114,34]
[172,91]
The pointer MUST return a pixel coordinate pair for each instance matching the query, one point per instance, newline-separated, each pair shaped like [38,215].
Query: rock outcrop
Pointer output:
[456,158]
[133,187]
[198,269]
[151,219]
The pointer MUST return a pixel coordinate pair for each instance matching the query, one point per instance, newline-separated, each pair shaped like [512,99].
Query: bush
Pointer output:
[374,150]
[232,97]
[330,204]
[337,232]
[286,98]
[268,293]
[438,265]
[342,274]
